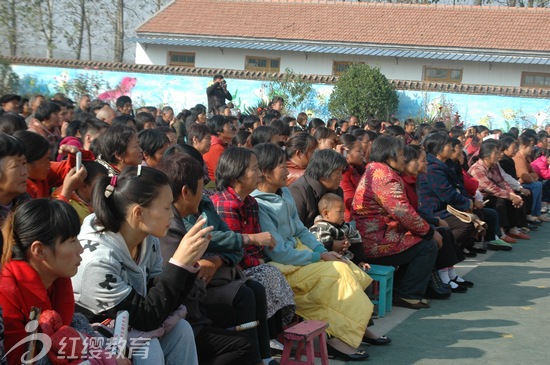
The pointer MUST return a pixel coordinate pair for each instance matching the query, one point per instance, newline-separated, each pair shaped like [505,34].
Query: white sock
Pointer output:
[452,273]
[453,284]
[514,230]
[267,361]
[444,275]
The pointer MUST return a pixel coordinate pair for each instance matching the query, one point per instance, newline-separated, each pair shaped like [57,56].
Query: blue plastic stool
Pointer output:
[383,275]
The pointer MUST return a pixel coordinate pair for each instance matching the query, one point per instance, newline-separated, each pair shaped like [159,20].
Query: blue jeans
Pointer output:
[174,348]
[536,191]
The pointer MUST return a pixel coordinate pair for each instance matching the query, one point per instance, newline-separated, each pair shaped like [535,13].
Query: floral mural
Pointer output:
[186,91]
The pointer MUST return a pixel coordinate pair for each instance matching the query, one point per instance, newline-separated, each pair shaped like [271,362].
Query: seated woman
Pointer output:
[236,178]
[450,253]
[354,154]
[119,148]
[393,233]
[299,149]
[13,170]
[318,277]
[153,143]
[528,177]
[323,175]
[42,254]
[541,165]
[230,298]
[438,188]
[499,194]
[44,174]
[122,263]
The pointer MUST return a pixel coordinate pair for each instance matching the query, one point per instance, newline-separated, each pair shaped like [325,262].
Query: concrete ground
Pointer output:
[503,319]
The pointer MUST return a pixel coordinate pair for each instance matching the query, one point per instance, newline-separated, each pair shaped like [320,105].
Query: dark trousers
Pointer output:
[508,216]
[464,233]
[546,191]
[489,216]
[420,260]
[450,253]
[216,346]
[249,304]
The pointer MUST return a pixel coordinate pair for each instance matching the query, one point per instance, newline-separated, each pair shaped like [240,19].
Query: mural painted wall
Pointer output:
[186,91]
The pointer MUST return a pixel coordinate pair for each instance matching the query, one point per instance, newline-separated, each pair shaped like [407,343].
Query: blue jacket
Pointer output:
[439,187]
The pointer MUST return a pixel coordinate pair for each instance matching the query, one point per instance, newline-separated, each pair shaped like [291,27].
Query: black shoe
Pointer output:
[435,289]
[380,341]
[532,227]
[459,289]
[477,250]
[466,252]
[466,283]
[411,303]
[358,356]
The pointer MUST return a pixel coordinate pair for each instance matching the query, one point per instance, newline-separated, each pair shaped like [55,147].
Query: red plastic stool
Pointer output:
[304,333]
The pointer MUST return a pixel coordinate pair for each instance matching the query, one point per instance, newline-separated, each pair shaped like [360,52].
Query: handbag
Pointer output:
[479,225]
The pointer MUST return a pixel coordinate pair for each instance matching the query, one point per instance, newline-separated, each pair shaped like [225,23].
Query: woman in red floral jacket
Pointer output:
[392,231]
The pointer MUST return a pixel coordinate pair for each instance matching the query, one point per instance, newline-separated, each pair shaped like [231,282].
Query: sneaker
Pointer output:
[542,218]
[499,245]
[276,345]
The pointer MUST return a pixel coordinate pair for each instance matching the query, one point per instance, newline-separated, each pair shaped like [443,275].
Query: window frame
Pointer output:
[448,79]
[184,64]
[262,69]
[525,74]
[348,63]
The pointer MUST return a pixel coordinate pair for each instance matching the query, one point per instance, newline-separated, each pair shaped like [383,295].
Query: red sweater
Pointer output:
[58,171]
[212,157]
[349,183]
[20,289]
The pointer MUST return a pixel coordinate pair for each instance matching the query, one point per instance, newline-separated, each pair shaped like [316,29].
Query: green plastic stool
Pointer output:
[383,275]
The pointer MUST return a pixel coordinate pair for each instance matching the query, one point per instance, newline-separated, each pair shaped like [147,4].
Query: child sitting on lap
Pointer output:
[337,235]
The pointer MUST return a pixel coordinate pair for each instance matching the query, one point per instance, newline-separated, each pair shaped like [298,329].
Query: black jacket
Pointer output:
[216,96]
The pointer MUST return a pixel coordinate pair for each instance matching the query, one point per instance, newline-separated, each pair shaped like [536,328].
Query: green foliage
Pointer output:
[82,84]
[290,86]
[363,91]
[9,80]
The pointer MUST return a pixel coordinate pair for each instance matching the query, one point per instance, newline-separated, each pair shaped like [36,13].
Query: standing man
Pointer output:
[83,105]
[217,94]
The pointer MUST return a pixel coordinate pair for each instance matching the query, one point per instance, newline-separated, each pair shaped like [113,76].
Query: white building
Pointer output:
[489,46]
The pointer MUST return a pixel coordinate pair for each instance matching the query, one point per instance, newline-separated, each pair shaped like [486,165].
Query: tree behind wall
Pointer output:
[363,91]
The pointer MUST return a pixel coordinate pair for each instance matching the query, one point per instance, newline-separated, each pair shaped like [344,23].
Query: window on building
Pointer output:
[253,63]
[535,79]
[442,75]
[181,59]
[338,67]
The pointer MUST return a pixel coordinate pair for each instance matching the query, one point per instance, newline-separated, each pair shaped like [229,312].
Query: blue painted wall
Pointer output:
[186,91]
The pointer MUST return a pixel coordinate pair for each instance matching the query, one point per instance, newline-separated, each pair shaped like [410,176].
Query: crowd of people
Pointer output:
[216,230]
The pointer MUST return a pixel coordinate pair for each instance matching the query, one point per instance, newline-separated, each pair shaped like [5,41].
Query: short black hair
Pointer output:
[232,165]
[198,130]
[249,121]
[11,122]
[45,110]
[323,163]
[122,100]
[142,118]
[36,146]
[216,124]
[10,146]
[435,142]
[385,148]
[487,147]
[182,170]
[301,141]
[263,134]
[152,140]
[269,156]
[115,141]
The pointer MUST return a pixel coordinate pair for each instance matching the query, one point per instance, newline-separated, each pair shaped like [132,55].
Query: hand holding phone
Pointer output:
[78,160]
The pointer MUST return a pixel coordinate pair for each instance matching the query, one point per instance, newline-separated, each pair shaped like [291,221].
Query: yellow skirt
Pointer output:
[333,292]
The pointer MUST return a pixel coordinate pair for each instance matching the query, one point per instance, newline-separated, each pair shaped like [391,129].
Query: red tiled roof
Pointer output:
[498,28]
